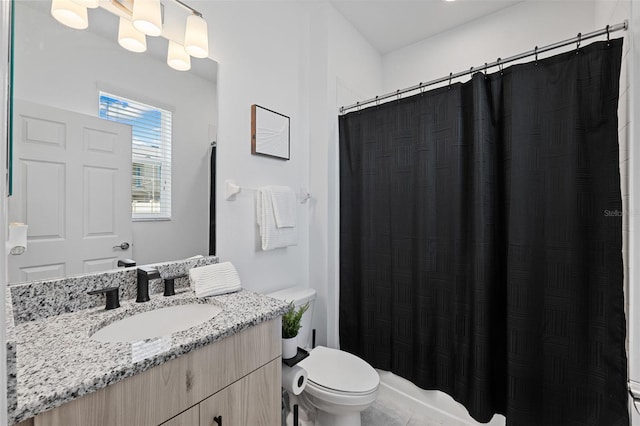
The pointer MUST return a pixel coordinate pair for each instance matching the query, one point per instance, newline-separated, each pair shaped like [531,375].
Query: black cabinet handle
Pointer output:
[218,420]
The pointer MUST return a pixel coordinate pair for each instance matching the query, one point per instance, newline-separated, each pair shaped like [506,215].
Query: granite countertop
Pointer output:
[58,362]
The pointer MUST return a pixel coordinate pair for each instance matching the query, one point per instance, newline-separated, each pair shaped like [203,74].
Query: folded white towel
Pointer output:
[272,236]
[284,206]
[219,278]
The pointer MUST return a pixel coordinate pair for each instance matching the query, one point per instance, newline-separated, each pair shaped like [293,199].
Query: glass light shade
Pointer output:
[130,38]
[70,14]
[177,57]
[147,17]
[91,4]
[196,37]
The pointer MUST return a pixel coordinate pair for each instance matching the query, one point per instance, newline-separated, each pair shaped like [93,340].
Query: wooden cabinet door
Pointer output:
[191,417]
[253,400]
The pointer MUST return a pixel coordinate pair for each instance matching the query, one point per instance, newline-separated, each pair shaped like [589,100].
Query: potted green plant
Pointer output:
[290,328]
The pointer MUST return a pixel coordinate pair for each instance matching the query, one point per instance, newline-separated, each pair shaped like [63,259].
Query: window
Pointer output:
[151,154]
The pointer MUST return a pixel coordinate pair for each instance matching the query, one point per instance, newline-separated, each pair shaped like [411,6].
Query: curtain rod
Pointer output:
[499,62]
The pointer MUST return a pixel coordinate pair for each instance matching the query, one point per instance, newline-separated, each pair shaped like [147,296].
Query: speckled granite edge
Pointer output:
[76,366]
[12,380]
[12,368]
[8,312]
[41,299]
[177,269]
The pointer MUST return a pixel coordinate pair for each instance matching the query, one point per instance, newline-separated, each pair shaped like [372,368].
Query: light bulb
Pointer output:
[130,38]
[70,14]
[147,17]
[177,57]
[196,37]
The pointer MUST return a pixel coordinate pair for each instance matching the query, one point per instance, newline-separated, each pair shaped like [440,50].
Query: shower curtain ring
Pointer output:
[450,75]
[608,35]
[536,53]
[398,94]
[485,70]
[377,101]
[500,66]
[578,43]
[421,87]
[358,106]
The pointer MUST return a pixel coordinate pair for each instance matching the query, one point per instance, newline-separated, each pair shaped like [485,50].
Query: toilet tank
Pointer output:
[299,296]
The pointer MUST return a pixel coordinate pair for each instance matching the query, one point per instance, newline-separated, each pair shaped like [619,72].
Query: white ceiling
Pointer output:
[392,24]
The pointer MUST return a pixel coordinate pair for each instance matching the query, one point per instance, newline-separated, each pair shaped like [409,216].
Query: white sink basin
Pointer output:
[156,323]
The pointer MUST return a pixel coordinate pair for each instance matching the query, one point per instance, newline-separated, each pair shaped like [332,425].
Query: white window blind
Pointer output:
[151,153]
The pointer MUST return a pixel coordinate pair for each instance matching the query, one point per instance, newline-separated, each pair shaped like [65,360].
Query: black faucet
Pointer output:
[126,263]
[145,273]
[170,286]
[113,300]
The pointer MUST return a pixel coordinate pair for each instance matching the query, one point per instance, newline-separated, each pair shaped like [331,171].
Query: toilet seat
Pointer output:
[338,374]
[337,398]
[319,387]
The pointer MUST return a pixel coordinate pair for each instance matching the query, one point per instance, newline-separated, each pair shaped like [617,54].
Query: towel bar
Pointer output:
[231,189]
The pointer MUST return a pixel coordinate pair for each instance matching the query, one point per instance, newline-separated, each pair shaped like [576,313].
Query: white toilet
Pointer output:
[340,385]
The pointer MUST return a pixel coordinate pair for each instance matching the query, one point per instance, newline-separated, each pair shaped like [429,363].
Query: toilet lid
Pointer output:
[340,371]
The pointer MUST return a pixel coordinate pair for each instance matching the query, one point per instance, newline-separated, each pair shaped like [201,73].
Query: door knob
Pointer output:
[123,246]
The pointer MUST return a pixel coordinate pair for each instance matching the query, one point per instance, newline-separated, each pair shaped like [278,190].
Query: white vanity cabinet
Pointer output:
[237,378]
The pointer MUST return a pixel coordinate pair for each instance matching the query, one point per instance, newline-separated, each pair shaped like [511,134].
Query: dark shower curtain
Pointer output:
[481,241]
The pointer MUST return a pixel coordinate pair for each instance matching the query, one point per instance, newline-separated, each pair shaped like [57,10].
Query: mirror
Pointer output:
[59,72]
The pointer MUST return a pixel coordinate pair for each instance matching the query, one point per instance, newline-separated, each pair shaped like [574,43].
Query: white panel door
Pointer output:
[72,186]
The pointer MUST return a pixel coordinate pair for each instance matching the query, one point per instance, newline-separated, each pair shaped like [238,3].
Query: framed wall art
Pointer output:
[270,132]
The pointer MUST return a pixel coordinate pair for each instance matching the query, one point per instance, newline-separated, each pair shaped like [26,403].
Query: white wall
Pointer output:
[510,31]
[259,47]
[65,68]
[350,70]
[294,58]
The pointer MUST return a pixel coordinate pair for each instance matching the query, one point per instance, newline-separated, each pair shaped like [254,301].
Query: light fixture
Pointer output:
[70,14]
[91,4]
[138,19]
[130,38]
[177,57]
[147,17]
[196,37]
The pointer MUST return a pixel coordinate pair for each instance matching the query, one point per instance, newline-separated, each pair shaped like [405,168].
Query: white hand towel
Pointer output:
[284,206]
[272,236]
[219,278]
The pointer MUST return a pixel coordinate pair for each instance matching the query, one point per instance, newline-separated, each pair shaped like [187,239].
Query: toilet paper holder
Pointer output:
[290,362]
[17,241]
